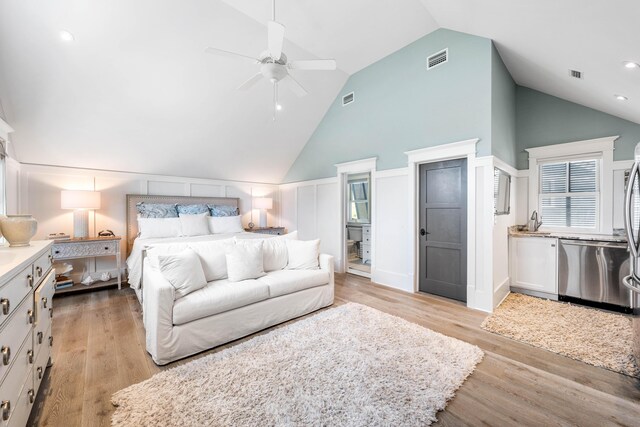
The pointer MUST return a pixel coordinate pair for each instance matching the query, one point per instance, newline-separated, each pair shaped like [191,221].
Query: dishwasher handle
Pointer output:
[612,245]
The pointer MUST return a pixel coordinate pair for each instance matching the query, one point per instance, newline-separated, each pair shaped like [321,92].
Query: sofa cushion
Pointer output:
[285,282]
[303,255]
[218,297]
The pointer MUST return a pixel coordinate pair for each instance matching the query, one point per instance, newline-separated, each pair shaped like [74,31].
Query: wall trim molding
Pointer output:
[597,145]
[455,150]
[319,181]
[357,166]
[619,165]
[389,173]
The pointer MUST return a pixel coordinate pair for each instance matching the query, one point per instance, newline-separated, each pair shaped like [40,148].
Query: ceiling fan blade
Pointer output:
[275,39]
[251,82]
[313,65]
[294,86]
[216,51]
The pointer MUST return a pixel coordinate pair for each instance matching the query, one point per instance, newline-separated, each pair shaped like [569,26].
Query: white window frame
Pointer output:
[601,148]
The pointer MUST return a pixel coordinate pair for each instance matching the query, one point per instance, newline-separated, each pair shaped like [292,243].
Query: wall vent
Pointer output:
[348,99]
[438,58]
[576,74]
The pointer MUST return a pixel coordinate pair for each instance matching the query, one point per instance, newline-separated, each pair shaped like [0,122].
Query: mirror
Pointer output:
[501,192]
[359,199]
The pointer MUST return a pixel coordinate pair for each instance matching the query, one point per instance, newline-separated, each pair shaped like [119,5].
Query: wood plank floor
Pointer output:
[99,348]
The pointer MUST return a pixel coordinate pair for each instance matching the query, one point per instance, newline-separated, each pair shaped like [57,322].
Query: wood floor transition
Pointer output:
[99,348]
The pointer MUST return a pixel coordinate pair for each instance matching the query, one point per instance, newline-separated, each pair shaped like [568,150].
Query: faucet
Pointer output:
[534,221]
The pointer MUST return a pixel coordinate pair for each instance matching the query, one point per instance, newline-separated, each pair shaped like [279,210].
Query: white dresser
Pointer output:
[366,244]
[26,292]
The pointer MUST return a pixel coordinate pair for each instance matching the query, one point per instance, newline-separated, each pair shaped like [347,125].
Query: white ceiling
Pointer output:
[135,92]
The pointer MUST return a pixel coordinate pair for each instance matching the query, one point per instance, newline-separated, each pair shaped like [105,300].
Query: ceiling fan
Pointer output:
[274,64]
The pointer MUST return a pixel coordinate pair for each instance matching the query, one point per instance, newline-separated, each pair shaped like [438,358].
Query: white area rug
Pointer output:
[347,366]
[592,336]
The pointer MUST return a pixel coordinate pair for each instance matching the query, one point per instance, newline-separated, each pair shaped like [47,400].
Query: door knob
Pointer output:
[423,232]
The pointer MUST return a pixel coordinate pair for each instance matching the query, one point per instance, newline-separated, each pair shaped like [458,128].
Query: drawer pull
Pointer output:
[6,355]
[40,337]
[44,302]
[32,395]
[30,280]
[6,305]
[51,312]
[30,356]
[51,341]
[6,410]
[50,259]
[39,372]
[30,316]
[39,271]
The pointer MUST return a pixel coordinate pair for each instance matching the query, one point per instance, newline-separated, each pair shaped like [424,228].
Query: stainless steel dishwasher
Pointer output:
[591,272]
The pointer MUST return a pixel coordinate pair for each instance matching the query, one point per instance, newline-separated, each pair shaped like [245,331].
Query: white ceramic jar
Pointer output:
[18,229]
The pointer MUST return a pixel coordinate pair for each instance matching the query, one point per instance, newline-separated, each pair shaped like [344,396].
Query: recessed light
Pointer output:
[279,107]
[631,64]
[621,97]
[66,36]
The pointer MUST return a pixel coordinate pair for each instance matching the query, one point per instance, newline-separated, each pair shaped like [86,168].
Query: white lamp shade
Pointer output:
[79,199]
[263,203]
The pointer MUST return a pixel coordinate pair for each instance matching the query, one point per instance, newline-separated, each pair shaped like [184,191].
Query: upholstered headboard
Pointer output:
[132,212]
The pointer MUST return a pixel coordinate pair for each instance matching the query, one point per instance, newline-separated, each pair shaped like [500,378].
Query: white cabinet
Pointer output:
[533,265]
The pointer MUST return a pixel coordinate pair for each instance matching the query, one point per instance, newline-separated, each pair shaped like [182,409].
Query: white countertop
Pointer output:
[569,236]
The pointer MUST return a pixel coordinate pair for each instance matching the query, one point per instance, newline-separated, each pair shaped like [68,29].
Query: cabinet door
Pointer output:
[534,264]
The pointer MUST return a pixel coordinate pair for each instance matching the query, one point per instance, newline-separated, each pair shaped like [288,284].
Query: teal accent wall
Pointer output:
[543,119]
[503,111]
[400,106]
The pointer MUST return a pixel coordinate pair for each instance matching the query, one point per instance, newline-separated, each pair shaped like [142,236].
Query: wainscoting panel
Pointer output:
[307,213]
[328,217]
[205,190]
[167,188]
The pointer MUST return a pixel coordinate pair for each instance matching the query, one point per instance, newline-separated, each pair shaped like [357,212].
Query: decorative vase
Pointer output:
[105,277]
[18,229]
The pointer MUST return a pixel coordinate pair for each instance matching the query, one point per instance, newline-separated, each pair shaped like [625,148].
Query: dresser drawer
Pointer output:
[13,334]
[20,412]
[43,300]
[42,266]
[42,359]
[85,249]
[366,252]
[13,292]
[12,386]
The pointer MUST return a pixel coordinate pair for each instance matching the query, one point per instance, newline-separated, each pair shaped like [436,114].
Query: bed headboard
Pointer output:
[132,212]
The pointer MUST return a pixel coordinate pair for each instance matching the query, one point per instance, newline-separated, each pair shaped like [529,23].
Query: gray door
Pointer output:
[443,229]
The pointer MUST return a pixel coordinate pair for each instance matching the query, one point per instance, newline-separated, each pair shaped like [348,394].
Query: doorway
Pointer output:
[443,229]
[358,223]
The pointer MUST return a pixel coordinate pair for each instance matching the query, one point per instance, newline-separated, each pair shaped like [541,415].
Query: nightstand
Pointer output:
[267,230]
[88,248]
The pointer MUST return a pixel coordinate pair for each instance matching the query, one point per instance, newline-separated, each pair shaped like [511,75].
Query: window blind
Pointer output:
[569,193]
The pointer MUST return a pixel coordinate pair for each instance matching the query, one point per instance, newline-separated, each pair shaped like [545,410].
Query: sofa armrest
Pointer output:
[158,299]
[326,264]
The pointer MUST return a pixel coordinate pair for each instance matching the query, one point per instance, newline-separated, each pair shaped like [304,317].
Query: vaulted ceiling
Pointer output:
[135,91]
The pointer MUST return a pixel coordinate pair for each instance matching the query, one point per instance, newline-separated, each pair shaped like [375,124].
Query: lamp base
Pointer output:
[81,224]
[263,218]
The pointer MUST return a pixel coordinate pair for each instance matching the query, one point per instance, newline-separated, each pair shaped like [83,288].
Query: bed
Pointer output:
[137,246]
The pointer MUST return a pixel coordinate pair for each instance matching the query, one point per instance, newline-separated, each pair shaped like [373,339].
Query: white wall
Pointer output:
[39,195]
[13,186]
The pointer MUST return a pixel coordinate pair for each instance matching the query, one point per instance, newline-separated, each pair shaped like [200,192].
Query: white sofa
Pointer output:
[224,311]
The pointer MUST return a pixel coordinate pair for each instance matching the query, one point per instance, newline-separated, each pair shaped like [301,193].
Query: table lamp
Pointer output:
[81,202]
[263,203]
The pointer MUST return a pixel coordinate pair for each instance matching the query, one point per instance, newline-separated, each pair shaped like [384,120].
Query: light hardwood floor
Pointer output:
[99,349]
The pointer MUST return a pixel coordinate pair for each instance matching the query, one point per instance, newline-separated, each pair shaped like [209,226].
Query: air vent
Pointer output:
[437,59]
[347,99]
[576,74]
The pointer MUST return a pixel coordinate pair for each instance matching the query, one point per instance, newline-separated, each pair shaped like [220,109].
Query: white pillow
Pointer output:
[245,262]
[183,270]
[158,227]
[194,225]
[274,251]
[225,224]
[213,256]
[303,255]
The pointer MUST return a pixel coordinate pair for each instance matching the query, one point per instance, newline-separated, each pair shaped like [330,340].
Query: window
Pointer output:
[569,193]
[359,200]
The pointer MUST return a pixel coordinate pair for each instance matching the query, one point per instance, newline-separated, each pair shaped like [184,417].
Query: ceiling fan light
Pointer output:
[66,36]
[621,98]
[278,107]
[631,64]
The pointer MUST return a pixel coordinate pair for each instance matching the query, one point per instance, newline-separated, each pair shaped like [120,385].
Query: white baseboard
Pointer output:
[501,292]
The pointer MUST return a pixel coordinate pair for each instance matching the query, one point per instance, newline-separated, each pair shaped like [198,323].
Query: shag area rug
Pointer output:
[592,336]
[347,366]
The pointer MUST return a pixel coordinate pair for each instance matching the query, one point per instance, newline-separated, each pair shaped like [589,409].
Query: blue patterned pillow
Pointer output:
[157,210]
[192,209]
[223,210]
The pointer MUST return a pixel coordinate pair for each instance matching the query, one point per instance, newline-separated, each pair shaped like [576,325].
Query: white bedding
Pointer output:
[134,262]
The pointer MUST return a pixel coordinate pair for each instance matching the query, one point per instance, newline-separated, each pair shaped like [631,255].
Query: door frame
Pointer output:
[358,166]
[456,150]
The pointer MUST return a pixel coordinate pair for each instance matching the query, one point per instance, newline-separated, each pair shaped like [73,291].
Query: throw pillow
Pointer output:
[274,251]
[149,228]
[245,262]
[213,256]
[194,225]
[303,255]
[225,224]
[183,270]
